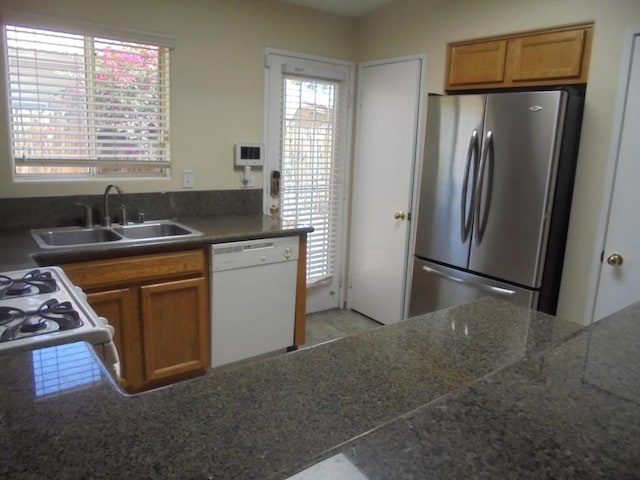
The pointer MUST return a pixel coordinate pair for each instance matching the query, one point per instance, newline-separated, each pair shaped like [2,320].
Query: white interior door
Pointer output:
[619,282]
[387,117]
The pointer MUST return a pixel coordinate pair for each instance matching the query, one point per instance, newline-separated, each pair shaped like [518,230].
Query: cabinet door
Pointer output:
[547,56]
[174,326]
[118,307]
[477,63]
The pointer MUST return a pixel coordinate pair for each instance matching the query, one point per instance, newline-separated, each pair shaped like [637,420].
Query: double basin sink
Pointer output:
[65,237]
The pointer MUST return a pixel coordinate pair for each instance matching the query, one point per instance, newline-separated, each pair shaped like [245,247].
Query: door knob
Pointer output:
[399,215]
[615,259]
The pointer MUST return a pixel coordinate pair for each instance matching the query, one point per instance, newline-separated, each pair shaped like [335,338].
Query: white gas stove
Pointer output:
[41,307]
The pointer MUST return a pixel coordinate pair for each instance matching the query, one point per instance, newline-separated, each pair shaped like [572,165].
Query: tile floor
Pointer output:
[336,323]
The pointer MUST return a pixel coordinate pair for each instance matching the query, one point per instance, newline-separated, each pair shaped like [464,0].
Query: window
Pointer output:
[310,171]
[85,105]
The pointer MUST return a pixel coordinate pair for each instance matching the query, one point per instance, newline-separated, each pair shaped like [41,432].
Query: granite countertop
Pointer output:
[569,412]
[482,390]
[19,250]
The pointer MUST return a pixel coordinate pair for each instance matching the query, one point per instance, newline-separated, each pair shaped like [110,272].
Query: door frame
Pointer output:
[348,153]
[610,172]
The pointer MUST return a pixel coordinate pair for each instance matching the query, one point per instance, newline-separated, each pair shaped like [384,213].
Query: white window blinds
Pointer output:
[311,170]
[82,104]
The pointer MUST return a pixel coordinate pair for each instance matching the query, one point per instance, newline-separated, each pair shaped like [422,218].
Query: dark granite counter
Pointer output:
[569,412]
[19,250]
[483,390]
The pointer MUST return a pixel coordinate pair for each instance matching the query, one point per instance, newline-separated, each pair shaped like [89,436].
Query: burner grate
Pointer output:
[50,316]
[34,282]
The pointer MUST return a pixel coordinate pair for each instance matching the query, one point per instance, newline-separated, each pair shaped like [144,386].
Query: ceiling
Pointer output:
[348,8]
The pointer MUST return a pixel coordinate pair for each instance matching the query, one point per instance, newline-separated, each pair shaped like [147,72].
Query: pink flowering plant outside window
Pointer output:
[84,105]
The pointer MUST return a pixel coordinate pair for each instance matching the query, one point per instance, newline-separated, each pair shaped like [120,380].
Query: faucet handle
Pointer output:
[123,214]
[88,214]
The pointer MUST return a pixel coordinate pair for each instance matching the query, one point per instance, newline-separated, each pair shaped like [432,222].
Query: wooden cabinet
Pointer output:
[477,63]
[158,307]
[551,57]
[174,337]
[118,306]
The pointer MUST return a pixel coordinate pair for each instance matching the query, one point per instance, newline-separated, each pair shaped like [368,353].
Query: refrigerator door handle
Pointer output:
[480,220]
[481,286]
[466,221]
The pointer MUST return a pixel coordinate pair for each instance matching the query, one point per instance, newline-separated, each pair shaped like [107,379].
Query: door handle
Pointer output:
[479,285]
[399,215]
[615,259]
[472,156]
[479,220]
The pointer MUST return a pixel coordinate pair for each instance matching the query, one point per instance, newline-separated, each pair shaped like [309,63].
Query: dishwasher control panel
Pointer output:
[233,255]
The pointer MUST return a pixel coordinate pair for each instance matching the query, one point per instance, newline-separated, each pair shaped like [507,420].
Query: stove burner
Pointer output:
[33,324]
[10,314]
[33,281]
[19,287]
[50,316]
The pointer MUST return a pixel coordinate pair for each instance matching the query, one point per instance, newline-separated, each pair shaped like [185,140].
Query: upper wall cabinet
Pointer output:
[549,57]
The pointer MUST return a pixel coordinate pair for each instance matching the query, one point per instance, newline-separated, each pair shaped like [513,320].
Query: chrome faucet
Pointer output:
[106,220]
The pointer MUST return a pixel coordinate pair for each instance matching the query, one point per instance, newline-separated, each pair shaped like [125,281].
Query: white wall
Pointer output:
[426,26]
[217,77]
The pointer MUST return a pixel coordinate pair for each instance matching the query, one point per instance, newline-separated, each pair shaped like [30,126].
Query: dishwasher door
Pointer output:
[253,296]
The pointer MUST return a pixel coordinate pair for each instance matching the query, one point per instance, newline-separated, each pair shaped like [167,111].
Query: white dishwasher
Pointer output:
[253,297]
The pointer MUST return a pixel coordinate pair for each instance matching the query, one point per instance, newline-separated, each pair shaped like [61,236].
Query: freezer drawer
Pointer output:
[435,287]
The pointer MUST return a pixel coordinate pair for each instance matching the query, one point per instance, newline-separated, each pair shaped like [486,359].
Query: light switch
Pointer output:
[187,179]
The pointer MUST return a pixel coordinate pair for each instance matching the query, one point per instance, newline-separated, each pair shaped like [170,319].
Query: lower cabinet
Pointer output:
[174,337]
[158,307]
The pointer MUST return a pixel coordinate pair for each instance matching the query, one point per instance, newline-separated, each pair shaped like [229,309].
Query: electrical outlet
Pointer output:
[187,179]
[247,179]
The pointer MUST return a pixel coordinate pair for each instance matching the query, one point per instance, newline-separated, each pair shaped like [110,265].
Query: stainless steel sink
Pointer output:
[153,230]
[78,237]
[71,236]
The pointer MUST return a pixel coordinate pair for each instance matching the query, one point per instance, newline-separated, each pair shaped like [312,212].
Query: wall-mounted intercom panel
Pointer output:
[249,155]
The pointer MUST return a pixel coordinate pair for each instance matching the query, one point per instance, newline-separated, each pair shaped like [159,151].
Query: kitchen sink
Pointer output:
[153,230]
[78,237]
[67,236]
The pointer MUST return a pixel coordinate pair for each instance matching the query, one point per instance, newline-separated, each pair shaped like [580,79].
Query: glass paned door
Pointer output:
[306,142]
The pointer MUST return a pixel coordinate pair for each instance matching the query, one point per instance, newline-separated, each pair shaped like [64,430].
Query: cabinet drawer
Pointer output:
[140,268]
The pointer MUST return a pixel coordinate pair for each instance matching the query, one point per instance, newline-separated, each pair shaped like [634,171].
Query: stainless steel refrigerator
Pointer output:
[495,196]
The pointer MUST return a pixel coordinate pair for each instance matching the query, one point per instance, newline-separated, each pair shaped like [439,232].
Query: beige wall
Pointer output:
[422,26]
[218,80]
[217,77]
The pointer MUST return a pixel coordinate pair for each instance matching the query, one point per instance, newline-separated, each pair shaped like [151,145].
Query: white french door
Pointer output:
[307,138]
